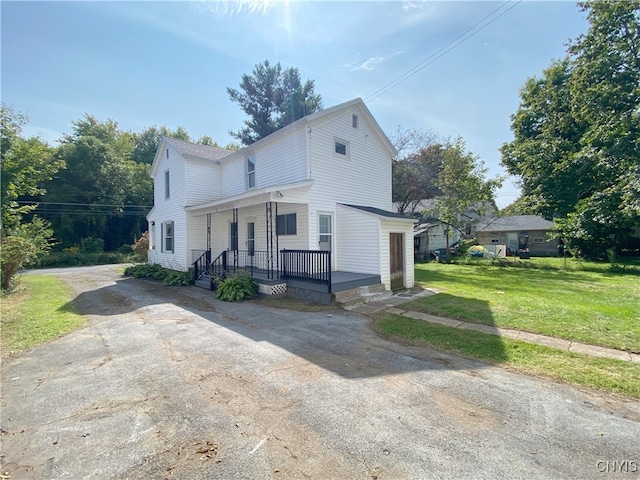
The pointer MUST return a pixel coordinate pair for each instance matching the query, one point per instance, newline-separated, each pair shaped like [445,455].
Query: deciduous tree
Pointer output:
[463,187]
[577,132]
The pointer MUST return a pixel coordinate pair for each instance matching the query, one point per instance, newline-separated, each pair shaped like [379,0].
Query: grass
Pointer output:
[36,313]
[586,301]
[605,374]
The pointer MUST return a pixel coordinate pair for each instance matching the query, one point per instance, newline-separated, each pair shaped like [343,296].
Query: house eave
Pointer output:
[272,193]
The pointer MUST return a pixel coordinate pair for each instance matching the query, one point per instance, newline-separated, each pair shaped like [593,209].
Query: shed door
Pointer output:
[396,252]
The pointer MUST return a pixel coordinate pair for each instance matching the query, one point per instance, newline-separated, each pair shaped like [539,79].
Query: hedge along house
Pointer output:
[307,209]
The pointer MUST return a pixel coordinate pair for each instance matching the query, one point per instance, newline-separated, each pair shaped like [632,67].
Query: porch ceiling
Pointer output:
[274,193]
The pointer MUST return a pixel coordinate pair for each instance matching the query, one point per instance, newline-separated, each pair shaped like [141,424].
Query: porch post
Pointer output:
[208,231]
[235,247]
[272,255]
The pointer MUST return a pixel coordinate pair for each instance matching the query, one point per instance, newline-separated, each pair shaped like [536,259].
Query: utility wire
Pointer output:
[443,51]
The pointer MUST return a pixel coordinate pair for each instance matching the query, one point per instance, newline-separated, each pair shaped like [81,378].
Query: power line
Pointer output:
[26,202]
[443,51]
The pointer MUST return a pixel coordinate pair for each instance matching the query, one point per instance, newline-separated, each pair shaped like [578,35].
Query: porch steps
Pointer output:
[204,282]
[354,297]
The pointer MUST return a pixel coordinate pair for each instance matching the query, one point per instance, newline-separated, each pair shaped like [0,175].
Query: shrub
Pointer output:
[237,287]
[14,253]
[74,258]
[141,247]
[169,277]
[92,245]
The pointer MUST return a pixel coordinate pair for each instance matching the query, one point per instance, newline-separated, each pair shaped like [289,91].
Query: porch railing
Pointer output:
[256,262]
[219,267]
[310,266]
[201,265]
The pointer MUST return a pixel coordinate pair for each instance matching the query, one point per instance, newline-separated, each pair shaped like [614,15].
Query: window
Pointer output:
[341,148]
[354,121]
[251,172]
[167,237]
[495,240]
[233,240]
[286,224]
[324,231]
[538,240]
[167,153]
[166,184]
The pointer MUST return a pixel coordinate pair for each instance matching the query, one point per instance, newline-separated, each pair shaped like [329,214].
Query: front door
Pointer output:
[324,231]
[396,260]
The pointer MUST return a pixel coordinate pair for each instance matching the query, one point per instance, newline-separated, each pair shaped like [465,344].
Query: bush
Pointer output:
[171,278]
[141,247]
[92,245]
[237,287]
[14,253]
[71,257]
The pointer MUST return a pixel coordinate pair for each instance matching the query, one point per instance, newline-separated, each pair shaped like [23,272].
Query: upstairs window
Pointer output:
[340,148]
[251,172]
[167,190]
[354,121]
[286,224]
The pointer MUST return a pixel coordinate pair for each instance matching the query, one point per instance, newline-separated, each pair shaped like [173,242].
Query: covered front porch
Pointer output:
[302,273]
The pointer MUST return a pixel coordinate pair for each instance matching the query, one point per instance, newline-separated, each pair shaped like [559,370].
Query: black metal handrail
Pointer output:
[311,266]
[201,265]
[219,267]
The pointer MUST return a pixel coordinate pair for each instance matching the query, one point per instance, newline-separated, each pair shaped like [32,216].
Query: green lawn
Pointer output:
[605,374]
[586,302]
[36,313]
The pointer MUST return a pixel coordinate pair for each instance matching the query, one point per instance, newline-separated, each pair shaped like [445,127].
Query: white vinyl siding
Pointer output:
[171,209]
[357,242]
[202,181]
[233,177]
[362,179]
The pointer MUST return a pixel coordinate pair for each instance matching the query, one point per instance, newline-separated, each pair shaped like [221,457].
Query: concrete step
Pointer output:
[204,282]
[349,299]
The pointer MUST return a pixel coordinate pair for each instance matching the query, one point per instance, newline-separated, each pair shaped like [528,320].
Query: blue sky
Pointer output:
[169,63]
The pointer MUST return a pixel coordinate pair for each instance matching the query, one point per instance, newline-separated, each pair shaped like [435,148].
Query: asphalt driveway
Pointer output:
[170,383]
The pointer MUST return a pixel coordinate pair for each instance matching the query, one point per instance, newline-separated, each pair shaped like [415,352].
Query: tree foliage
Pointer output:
[26,163]
[416,167]
[576,146]
[100,183]
[272,97]
[464,188]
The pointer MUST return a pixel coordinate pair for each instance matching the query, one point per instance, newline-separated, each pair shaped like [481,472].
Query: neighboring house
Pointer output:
[430,233]
[517,231]
[320,184]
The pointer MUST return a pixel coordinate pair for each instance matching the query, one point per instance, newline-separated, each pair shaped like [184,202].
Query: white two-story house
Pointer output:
[309,201]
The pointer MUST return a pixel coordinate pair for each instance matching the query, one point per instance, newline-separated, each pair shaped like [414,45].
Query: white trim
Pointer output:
[259,195]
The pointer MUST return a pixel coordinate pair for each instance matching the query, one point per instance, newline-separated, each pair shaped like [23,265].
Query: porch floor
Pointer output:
[340,281]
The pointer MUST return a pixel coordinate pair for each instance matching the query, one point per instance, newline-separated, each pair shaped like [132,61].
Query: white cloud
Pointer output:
[406,6]
[371,63]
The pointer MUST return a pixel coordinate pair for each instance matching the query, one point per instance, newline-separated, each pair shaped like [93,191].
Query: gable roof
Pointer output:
[197,150]
[318,115]
[515,222]
[381,213]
